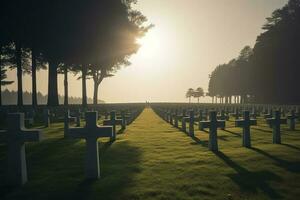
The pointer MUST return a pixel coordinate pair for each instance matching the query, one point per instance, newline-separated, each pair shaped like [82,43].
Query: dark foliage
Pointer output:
[269,73]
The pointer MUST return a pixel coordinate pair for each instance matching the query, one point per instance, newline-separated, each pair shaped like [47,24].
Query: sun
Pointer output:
[151,44]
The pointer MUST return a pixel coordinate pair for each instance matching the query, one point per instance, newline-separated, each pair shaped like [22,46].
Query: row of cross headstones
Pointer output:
[16,135]
[219,121]
[235,111]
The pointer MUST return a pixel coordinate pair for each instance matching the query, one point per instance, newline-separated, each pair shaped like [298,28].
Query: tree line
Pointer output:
[10,98]
[197,93]
[268,72]
[90,38]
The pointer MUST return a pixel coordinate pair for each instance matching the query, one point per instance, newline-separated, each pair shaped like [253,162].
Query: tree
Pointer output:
[189,94]
[3,82]
[116,43]
[198,93]
[64,69]
[269,72]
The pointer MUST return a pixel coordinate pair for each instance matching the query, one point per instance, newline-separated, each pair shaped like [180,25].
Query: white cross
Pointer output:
[113,121]
[91,132]
[246,123]
[17,135]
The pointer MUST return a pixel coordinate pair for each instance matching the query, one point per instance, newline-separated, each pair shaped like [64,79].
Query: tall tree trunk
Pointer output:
[66,101]
[19,73]
[33,60]
[0,76]
[52,85]
[84,98]
[96,87]
[198,99]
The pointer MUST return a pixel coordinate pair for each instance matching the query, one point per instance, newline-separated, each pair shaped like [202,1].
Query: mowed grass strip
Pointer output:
[152,160]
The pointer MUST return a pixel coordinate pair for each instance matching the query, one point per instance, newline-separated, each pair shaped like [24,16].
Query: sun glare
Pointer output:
[151,45]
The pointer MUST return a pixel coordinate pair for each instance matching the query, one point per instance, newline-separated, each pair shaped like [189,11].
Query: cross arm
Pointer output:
[32,135]
[270,121]
[239,123]
[292,117]
[107,122]
[283,121]
[104,131]
[187,119]
[118,121]
[204,124]
[253,122]
[221,124]
[77,133]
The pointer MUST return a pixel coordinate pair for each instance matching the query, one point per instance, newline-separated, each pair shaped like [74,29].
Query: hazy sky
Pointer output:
[190,38]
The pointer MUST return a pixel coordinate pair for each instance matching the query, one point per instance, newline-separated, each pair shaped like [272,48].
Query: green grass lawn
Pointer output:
[152,160]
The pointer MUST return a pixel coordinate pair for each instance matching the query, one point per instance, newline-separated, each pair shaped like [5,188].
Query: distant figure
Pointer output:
[147,104]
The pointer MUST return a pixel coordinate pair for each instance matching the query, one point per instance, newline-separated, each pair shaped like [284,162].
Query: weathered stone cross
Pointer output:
[275,123]
[176,118]
[213,125]
[91,132]
[46,117]
[124,121]
[191,120]
[246,123]
[291,119]
[113,121]
[182,116]
[17,135]
[206,124]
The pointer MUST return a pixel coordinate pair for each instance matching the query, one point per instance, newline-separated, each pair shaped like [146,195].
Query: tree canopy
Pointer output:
[269,72]
[94,35]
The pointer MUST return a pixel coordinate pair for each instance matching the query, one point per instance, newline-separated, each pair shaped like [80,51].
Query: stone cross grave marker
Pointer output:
[223,116]
[200,115]
[206,124]
[191,120]
[113,121]
[246,123]
[29,117]
[78,116]
[176,118]
[213,137]
[254,113]
[66,123]
[236,114]
[268,113]
[275,123]
[124,121]
[183,123]
[46,113]
[291,120]
[91,132]
[213,125]
[17,135]
[171,117]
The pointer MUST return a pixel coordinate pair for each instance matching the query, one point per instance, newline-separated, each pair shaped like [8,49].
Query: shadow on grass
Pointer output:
[206,131]
[251,181]
[198,141]
[287,165]
[223,137]
[56,171]
[291,146]
[263,130]
[233,133]
[121,131]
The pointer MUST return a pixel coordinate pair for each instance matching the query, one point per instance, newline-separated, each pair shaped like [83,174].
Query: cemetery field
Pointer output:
[153,160]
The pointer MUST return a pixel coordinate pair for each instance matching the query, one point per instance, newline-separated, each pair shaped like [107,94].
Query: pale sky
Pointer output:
[190,38]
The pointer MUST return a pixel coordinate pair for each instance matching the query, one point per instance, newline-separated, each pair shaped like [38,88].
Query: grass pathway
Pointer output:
[152,160]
